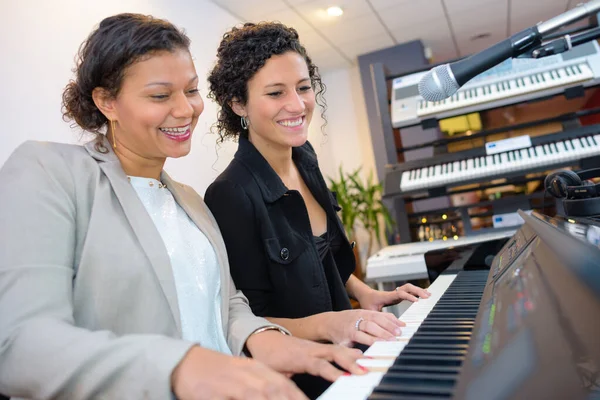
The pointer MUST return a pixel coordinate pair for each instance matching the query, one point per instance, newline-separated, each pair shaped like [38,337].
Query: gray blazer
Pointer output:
[88,306]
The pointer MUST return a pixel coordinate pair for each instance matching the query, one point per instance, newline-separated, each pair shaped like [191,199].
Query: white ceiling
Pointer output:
[445,26]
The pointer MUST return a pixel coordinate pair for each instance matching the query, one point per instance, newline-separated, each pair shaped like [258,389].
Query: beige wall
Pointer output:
[347,140]
[39,40]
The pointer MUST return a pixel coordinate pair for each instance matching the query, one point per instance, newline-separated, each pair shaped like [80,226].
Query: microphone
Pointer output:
[444,80]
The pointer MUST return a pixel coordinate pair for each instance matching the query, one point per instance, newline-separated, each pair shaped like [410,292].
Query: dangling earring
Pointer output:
[114,133]
[244,122]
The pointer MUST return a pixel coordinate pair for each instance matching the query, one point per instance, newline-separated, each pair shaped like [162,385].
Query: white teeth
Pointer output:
[291,123]
[175,131]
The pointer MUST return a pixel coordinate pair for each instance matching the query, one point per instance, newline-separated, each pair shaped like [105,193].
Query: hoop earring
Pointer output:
[114,133]
[244,123]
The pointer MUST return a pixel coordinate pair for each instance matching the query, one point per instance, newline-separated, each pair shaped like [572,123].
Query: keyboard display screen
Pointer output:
[406,92]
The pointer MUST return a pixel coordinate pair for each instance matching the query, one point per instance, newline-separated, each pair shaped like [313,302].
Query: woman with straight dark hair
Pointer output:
[114,279]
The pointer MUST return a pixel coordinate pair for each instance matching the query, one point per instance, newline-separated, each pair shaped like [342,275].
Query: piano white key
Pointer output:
[504,161]
[540,157]
[385,349]
[376,363]
[491,167]
[355,387]
[524,158]
[404,180]
[562,153]
[416,180]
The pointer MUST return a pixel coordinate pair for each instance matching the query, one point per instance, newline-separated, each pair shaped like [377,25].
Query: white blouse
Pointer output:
[194,265]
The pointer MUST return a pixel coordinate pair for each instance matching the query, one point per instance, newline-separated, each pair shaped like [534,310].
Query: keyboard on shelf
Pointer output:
[523,329]
[513,81]
[402,262]
[513,86]
[473,166]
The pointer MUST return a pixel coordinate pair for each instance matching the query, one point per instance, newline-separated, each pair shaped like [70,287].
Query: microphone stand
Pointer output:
[565,43]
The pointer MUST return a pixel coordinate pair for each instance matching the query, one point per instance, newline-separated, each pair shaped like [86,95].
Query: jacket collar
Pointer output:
[271,186]
[93,148]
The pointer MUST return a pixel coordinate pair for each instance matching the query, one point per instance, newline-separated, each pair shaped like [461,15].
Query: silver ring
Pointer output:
[357,324]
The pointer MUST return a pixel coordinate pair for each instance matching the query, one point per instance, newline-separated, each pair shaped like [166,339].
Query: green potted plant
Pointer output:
[361,205]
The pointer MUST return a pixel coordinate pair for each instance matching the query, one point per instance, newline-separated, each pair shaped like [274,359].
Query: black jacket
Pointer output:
[272,253]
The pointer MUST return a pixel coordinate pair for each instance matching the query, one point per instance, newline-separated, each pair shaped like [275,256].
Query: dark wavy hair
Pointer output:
[118,42]
[243,51]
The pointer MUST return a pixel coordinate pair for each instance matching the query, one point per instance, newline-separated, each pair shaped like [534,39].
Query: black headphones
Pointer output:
[566,184]
[581,197]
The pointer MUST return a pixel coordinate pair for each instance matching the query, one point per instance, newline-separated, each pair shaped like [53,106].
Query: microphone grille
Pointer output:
[438,84]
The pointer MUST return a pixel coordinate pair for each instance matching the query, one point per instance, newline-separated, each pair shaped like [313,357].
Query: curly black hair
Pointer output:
[102,59]
[242,53]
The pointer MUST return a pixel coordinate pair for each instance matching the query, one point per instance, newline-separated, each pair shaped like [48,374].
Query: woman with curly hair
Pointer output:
[114,280]
[286,245]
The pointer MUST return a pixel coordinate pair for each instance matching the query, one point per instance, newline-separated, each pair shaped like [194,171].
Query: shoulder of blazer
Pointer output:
[51,151]
[58,159]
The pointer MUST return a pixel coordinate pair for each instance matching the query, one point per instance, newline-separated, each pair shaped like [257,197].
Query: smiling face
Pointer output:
[157,107]
[280,102]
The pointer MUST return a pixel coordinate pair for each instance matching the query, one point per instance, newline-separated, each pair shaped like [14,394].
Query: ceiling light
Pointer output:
[335,11]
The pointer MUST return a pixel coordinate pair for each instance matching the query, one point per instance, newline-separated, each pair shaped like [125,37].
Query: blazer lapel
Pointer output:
[194,206]
[142,225]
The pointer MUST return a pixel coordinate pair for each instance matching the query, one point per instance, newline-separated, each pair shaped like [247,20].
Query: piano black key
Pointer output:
[434,351]
[437,369]
[396,396]
[441,339]
[413,391]
[462,322]
[419,379]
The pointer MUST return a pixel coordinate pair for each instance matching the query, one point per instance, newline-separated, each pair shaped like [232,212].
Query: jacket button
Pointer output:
[284,253]
[353,245]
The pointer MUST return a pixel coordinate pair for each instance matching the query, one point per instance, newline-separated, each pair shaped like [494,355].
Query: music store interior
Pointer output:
[462,140]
